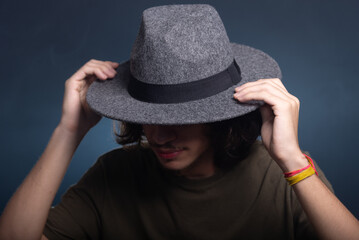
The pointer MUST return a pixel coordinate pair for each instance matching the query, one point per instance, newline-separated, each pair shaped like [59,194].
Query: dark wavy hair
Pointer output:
[231,139]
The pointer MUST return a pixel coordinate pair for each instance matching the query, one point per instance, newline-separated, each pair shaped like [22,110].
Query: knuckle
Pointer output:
[266,87]
[93,61]
[293,103]
[67,83]
[297,103]
[277,81]
[245,95]
[104,68]
[262,80]
[98,71]
[262,91]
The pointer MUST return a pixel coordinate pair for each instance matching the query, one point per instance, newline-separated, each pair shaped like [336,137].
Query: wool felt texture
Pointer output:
[179,44]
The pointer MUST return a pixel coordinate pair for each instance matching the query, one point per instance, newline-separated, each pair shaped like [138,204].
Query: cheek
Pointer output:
[199,144]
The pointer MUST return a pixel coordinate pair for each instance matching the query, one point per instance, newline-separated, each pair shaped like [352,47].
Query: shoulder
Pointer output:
[260,159]
[115,164]
[258,171]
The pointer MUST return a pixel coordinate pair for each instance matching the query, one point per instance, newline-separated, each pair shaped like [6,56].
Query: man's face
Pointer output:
[184,148]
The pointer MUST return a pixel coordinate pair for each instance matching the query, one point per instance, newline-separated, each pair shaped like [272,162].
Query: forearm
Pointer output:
[25,214]
[279,133]
[330,218]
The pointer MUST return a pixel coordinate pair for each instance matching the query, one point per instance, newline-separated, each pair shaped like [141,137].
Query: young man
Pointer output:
[200,103]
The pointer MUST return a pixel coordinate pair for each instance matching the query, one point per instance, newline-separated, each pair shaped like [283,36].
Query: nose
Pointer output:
[159,134]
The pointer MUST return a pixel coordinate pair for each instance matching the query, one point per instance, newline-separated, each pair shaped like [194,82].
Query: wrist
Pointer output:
[296,162]
[73,128]
[70,133]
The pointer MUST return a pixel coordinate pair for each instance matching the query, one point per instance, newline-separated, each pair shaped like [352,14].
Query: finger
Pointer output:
[87,71]
[275,82]
[94,62]
[106,68]
[100,73]
[254,83]
[279,83]
[276,87]
[262,84]
[109,71]
[269,98]
[260,91]
[279,103]
[113,64]
[95,69]
[110,64]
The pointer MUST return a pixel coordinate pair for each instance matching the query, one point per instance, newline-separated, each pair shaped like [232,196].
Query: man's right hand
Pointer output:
[24,217]
[77,117]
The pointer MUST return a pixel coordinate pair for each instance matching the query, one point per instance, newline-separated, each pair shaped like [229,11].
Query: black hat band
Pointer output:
[185,92]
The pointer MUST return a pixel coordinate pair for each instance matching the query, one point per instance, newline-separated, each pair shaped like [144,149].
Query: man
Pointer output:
[194,97]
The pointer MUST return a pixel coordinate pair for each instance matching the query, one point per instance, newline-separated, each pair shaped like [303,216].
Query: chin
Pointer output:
[173,164]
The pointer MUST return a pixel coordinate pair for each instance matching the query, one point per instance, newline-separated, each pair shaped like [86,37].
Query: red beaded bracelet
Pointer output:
[292,173]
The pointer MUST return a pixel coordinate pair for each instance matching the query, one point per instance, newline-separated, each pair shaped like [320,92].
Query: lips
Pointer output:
[168,154]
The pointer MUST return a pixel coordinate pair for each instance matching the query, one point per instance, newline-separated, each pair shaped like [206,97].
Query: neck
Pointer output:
[203,167]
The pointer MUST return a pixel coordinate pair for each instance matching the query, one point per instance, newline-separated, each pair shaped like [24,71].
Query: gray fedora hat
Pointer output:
[183,70]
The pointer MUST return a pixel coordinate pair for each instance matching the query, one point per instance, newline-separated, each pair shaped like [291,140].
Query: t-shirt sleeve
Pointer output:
[77,216]
[303,228]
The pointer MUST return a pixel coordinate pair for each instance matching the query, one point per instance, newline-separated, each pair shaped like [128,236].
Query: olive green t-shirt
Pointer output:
[126,194]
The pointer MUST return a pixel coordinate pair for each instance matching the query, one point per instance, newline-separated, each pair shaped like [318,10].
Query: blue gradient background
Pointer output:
[44,42]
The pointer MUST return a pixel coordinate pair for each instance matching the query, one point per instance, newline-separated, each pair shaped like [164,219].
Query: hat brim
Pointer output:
[111,99]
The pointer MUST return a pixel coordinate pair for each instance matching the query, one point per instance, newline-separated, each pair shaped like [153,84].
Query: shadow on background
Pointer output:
[44,42]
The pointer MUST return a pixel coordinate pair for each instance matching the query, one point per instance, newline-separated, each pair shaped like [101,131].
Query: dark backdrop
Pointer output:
[44,42]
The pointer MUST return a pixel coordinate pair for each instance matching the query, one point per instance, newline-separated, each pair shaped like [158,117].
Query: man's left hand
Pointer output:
[280,115]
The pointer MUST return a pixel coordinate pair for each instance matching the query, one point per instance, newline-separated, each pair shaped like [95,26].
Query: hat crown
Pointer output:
[179,44]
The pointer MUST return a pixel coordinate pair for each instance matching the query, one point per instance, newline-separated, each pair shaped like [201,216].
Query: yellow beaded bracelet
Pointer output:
[300,176]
